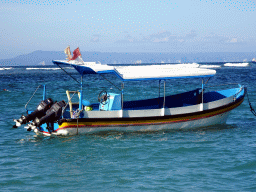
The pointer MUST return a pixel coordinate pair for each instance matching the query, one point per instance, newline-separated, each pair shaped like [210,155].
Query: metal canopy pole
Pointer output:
[159,87]
[202,104]
[163,108]
[122,101]
[122,94]
[67,73]
[164,95]
[159,105]
[81,94]
[44,94]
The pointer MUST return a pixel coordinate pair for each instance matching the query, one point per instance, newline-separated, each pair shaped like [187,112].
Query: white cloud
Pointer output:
[192,34]
[127,39]
[180,40]
[160,40]
[159,37]
[233,40]
[95,38]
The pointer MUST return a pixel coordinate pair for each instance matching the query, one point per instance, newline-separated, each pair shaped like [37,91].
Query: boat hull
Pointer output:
[186,124]
[171,122]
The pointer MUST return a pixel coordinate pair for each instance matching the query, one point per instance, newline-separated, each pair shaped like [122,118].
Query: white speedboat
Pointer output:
[236,64]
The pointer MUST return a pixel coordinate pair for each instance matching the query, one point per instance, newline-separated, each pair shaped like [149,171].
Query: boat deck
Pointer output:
[172,103]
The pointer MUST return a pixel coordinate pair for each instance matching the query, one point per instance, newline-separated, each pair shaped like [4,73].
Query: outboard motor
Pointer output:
[38,113]
[53,114]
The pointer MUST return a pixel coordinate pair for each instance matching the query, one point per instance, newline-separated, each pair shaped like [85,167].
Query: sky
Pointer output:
[184,26]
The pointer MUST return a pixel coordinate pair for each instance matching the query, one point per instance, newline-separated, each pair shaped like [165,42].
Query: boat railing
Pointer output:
[236,94]
[44,95]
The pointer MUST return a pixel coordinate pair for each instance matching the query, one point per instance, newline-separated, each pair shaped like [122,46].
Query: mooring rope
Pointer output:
[252,110]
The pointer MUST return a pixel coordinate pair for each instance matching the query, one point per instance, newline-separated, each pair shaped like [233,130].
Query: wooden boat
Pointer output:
[192,109]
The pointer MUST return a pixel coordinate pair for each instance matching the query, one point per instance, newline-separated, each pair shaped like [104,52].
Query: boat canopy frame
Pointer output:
[85,69]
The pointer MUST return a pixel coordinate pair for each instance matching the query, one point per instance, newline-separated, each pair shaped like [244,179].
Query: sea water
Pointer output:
[217,158]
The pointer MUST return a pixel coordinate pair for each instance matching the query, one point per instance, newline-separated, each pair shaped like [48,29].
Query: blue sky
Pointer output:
[127,26]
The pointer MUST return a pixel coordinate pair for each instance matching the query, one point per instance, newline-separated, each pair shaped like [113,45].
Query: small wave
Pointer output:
[42,68]
[5,68]
[210,66]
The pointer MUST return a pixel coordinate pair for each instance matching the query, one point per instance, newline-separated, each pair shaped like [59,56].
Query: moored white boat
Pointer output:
[236,64]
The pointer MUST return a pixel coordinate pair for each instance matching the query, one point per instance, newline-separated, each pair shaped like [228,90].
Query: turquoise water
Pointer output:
[218,158]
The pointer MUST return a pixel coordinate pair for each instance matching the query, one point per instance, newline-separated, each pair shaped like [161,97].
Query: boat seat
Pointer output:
[71,104]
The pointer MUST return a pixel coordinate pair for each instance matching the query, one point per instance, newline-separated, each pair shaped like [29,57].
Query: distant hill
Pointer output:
[37,57]
[33,58]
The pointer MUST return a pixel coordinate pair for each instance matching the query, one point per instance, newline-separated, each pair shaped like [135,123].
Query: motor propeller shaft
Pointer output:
[53,114]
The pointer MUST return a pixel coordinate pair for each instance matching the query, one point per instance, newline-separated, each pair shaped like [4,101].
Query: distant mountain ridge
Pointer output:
[37,57]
